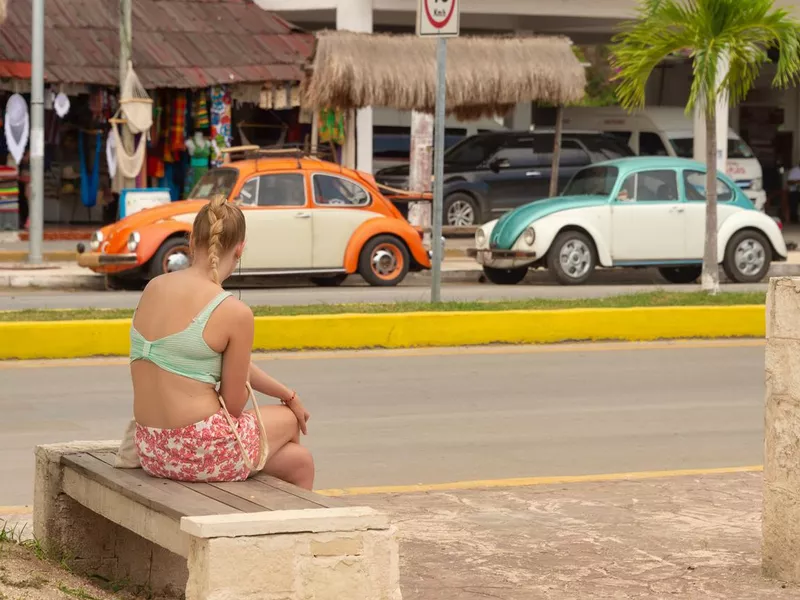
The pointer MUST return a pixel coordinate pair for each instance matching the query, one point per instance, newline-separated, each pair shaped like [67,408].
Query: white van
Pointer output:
[391,135]
[668,131]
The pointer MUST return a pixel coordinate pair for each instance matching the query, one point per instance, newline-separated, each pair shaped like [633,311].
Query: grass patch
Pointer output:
[657,298]
[76,593]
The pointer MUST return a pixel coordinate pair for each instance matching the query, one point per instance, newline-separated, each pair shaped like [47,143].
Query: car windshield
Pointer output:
[684,148]
[592,181]
[215,182]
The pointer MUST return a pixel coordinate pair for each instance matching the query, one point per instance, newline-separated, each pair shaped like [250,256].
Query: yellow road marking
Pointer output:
[532,481]
[15,510]
[420,352]
[498,483]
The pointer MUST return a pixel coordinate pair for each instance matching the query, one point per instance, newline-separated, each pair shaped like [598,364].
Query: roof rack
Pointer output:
[256,152]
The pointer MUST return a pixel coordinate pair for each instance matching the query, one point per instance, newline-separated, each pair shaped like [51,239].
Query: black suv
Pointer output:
[491,173]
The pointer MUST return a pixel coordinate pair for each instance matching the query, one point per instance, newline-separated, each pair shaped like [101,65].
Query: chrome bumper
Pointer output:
[95,259]
[485,254]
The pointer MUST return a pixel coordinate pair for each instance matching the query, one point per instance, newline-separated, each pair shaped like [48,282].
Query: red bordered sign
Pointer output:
[438,18]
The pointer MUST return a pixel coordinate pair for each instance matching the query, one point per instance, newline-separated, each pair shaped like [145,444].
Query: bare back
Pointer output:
[168,305]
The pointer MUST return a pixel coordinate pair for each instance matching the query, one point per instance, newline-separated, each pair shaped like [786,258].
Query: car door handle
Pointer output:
[303,215]
[677,209]
[533,173]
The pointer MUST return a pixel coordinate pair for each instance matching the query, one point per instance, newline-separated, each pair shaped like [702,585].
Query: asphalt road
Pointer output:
[537,286]
[393,418]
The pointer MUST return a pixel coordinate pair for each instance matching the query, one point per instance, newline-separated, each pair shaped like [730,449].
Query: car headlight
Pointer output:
[529,236]
[96,240]
[480,237]
[133,241]
[757,185]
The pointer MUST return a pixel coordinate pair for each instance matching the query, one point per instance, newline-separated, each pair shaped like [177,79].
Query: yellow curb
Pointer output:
[84,339]
[17,256]
[533,481]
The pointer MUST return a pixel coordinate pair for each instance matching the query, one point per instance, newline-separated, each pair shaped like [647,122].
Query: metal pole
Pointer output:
[125,47]
[37,134]
[556,152]
[438,168]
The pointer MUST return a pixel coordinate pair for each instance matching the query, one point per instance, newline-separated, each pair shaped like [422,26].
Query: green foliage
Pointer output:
[710,31]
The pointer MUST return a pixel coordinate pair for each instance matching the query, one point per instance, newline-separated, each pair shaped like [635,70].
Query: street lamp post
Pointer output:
[37,134]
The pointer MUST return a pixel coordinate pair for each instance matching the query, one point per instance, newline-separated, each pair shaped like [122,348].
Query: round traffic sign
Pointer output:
[439,12]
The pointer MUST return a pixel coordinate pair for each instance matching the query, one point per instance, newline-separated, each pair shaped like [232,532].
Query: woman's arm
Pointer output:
[268,386]
[265,384]
[236,357]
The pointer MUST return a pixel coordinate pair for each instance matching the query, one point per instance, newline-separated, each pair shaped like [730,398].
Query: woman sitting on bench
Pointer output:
[189,336]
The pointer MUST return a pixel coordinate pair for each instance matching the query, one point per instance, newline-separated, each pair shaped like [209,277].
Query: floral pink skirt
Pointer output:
[203,452]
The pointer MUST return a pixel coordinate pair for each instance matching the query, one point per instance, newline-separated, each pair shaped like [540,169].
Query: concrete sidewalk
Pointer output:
[682,537]
[693,538]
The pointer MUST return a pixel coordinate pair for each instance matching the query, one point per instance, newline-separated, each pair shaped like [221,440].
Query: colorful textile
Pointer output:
[203,452]
[198,166]
[331,127]
[200,112]
[90,184]
[221,129]
[177,128]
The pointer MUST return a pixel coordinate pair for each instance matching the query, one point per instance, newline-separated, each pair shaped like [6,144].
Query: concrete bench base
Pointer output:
[310,554]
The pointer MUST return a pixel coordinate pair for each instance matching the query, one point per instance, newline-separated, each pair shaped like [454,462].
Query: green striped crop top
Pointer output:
[184,353]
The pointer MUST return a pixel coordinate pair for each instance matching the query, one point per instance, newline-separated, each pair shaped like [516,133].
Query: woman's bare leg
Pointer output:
[287,459]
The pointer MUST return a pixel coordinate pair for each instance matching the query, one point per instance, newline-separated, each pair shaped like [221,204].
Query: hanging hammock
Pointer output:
[90,184]
[129,165]
[17,126]
[135,104]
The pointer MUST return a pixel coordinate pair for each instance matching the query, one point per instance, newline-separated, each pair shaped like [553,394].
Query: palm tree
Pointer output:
[713,33]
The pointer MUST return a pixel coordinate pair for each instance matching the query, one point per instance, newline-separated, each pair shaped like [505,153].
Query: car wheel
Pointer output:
[747,257]
[173,255]
[460,210]
[681,274]
[332,281]
[572,258]
[384,261]
[505,276]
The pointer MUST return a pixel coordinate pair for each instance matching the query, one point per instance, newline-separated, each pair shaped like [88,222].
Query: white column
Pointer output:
[723,113]
[356,15]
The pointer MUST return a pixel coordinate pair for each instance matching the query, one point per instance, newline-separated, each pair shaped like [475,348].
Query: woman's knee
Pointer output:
[301,467]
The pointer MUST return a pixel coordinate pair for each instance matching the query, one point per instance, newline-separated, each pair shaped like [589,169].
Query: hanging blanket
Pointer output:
[90,184]
[177,129]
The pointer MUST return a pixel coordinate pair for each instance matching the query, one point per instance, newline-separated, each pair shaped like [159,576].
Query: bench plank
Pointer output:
[162,495]
[288,488]
[268,498]
[239,501]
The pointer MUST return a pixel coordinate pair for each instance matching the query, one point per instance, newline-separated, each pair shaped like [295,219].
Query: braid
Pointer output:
[216,218]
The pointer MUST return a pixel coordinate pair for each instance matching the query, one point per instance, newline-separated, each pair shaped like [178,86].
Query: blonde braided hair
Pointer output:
[218,227]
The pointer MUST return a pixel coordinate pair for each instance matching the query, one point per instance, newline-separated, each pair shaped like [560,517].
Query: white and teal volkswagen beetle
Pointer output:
[631,212]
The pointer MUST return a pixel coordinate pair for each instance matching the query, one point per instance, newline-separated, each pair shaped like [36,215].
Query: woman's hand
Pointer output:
[299,411]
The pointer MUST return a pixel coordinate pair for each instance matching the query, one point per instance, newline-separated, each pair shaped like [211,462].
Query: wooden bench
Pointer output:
[262,538]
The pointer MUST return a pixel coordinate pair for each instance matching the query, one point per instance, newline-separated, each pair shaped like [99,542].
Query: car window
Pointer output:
[650,144]
[248,195]
[650,186]
[215,182]
[285,189]
[694,183]
[572,153]
[518,153]
[337,191]
[473,151]
[605,147]
[592,181]
[684,147]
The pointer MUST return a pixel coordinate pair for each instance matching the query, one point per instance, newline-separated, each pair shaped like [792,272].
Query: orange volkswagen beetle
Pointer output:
[304,217]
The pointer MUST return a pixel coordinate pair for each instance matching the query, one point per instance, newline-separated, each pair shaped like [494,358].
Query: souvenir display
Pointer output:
[17,126]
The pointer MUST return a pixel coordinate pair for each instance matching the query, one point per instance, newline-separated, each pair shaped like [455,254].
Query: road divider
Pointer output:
[88,338]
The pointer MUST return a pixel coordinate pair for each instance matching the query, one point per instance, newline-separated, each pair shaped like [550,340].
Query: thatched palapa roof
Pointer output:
[485,75]
[2,11]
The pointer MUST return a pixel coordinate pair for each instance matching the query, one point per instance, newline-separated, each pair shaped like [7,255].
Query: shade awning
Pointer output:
[485,75]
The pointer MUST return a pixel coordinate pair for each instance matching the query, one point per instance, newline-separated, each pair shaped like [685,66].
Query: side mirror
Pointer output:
[498,164]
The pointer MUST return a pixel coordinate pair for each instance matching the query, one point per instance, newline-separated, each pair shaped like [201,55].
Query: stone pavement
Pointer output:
[688,537]
[683,537]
